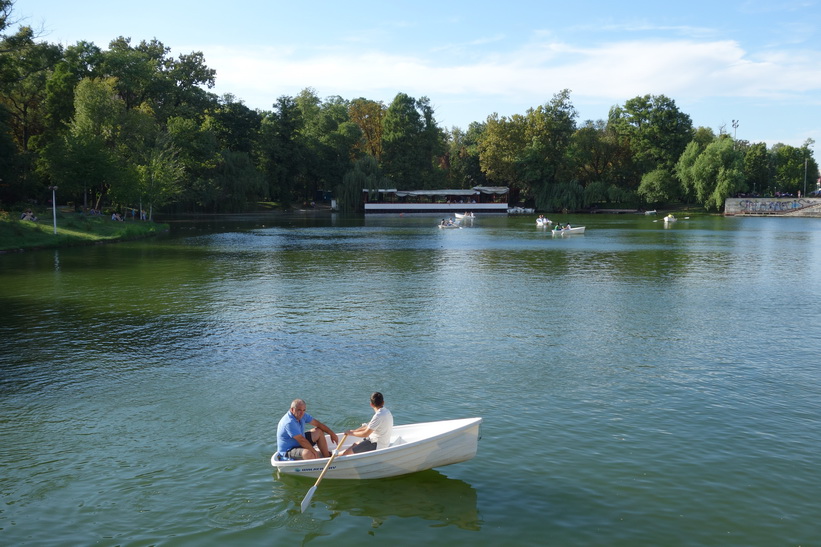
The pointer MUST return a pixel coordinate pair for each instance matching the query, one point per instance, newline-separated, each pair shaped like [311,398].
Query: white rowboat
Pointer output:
[568,231]
[460,216]
[414,447]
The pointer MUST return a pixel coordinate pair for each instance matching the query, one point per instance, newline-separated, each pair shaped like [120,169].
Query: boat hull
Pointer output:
[569,231]
[414,447]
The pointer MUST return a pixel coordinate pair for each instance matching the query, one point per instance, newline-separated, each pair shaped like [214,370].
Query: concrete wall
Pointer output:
[768,206]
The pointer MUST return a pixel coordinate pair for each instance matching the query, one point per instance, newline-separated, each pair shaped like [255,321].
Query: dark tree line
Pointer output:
[132,126]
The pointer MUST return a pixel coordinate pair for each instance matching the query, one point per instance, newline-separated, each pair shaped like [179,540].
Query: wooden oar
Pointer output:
[307,500]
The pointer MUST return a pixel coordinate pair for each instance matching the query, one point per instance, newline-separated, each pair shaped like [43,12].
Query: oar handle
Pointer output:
[328,465]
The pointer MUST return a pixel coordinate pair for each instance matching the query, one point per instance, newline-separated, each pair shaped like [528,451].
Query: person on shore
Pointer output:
[117,217]
[293,442]
[377,432]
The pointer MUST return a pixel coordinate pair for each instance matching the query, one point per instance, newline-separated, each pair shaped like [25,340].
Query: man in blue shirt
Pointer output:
[292,440]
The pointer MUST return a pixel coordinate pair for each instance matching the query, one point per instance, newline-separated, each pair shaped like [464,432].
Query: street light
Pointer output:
[54,206]
[805,177]
[735,126]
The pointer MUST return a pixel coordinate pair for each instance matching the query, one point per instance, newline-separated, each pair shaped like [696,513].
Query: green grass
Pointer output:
[72,229]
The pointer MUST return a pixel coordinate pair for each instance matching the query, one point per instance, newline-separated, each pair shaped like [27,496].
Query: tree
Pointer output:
[499,149]
[715,173]
[788,165]
[160,173]
[238,180]
[282,149]
[197,150]
[235,125]
[657,133]
[87,156]
[757,167]
[365,174]
[546,158]
[412,144]
[369,116]
[329,138]
[464,166]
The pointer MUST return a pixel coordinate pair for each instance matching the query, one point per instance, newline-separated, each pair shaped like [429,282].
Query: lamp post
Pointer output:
[735,126]
[805,177]
[54,206]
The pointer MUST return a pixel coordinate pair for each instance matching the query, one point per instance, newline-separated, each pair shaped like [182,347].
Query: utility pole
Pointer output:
[54,206]
[805,177]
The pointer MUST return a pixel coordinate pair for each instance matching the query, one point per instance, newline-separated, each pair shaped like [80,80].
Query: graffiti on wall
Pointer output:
[772,206]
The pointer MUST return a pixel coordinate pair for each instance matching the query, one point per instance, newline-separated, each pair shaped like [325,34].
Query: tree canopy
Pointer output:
[133,126]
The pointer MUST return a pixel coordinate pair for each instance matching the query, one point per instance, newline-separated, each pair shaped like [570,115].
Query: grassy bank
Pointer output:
[72,229]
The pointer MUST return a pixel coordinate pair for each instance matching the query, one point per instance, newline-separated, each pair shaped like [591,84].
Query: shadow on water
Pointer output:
[428,495]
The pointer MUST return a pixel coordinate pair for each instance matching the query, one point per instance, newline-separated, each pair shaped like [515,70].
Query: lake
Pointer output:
[640,384]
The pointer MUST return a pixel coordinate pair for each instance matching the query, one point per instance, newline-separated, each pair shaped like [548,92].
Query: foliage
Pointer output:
[365,174]
[657,133]
[131,124]
[412,144]
[714,173]
[462,164]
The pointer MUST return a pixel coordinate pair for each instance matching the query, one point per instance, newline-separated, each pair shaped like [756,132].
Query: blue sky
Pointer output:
[755,61]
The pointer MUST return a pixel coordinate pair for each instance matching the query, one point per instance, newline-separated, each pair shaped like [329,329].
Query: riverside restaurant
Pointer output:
[479,199]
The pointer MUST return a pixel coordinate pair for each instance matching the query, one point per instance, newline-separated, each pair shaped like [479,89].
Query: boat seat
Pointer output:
[397,441]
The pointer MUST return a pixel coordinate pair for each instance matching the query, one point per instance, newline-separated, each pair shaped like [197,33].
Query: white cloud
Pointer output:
[613,72]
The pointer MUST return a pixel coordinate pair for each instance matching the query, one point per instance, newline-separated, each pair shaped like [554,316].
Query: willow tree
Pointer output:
[160,173]
[365,174]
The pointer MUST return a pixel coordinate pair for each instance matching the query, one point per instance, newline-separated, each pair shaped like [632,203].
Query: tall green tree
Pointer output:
[282,150]
[500,148]
[546,160]
[235,125]
[657,133]
[197,150]
[86,157]
[412,144]
[789,168]
[330,138]
[160,173]
[715,173]
[464,167]
[757,167]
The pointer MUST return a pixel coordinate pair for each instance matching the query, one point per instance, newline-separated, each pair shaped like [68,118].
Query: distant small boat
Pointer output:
[670,218]
[449,223]
[460,216]
[543,222]
[568,231]
[653,212]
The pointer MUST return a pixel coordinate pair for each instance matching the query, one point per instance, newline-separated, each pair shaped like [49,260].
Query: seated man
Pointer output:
[377,432]
[292,440]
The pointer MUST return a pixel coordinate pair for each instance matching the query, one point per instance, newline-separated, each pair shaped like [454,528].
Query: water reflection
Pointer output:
[428,495]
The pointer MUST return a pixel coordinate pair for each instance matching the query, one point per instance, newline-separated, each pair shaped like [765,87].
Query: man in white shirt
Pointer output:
[377,432]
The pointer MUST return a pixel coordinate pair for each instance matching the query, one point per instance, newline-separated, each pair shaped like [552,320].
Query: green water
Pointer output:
[639,385]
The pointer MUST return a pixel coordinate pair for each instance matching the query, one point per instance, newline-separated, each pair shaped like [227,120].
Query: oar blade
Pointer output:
[306,501]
